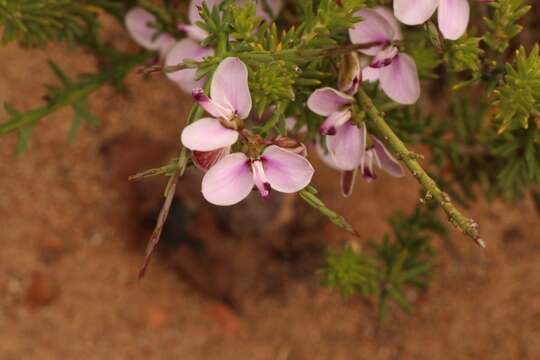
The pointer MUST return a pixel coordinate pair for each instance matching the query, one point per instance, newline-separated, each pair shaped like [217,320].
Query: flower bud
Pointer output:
[291,144]
[286,142]
[350,73]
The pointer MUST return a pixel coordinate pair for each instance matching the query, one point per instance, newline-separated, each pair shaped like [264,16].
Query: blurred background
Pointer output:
[226,283]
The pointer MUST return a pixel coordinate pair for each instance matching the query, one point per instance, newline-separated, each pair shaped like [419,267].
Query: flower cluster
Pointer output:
[265,165]
[396,71]
[235,159]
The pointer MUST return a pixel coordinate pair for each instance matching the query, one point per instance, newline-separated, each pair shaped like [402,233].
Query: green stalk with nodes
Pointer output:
[456,218]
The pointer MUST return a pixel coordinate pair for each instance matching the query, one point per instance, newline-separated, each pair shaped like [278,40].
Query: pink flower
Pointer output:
[140,25]
[344,140]
[375,154]
[192,29]
[233,177]
[186,49]
[190,48]
[452,15]
[229,103]
[395,71]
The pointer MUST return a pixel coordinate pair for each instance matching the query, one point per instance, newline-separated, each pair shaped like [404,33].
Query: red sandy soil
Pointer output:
[73,229]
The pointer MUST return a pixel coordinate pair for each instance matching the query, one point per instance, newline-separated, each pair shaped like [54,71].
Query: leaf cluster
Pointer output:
[517,96]
[502,24]
[398,263]
[33,23]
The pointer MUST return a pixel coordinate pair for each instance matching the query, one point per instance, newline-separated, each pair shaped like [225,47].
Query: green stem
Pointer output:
[309,195]
[466,225]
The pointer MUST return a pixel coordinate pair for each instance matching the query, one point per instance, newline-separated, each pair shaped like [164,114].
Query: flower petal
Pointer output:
[186,49]
[210,106]
[204,160]
[335,120]
[138,24]
[367,166]
[414,12]
[194,32]
[373,28]
[453,18]
[347,146]
[230,86]
[291,126]
[259,178]
[370,74]
[325,156]
[385,160]
[207,134]
[400,81]
[348,179]
[350,74]
[384,57]
[229,181]
[389,16]
[286,171]
[325,101]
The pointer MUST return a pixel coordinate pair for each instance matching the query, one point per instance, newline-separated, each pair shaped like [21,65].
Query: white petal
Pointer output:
[230,86]
[414,12]
[399,80]
[207,134]
[186,49]
[286,171]
[453,18]
[229,181]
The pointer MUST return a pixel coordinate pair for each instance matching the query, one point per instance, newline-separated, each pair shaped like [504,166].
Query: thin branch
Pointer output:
[456,218]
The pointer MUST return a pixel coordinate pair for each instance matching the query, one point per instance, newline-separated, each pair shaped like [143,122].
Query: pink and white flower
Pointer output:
[452,15]
[344,140]
[396,71]
[190,48]
[233,177]
[229,103]
[140,25]
[377,154]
